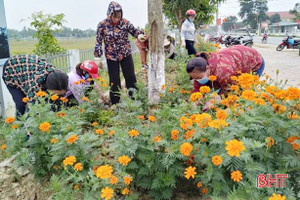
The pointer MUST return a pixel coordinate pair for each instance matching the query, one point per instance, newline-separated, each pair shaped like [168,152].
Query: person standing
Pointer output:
[114,32]
[188,29]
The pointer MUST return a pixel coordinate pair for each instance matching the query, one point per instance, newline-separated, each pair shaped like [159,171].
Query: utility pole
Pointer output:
[217,16]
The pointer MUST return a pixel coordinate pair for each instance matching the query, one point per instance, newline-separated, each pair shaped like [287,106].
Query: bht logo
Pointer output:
[265,181]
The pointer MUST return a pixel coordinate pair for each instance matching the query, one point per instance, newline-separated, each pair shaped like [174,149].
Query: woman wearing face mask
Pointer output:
[80,80]
[114,31]
[223,65]
[188,37]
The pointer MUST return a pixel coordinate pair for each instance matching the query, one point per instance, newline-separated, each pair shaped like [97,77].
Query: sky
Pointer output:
[85,14]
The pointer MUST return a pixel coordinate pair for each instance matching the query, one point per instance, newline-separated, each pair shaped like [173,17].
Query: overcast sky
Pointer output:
[86,14]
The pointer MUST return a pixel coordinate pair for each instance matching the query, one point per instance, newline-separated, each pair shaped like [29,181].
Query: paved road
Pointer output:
[287,62]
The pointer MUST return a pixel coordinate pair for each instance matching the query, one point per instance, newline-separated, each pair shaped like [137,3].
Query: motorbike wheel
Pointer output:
[280,47]
[248,44]
[264,41]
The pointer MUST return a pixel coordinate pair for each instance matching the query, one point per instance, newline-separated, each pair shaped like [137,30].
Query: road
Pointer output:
[286,61]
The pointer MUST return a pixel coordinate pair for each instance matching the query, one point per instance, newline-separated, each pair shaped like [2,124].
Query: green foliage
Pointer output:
[175,10]
[253,12]
[296,11]
[46,24]
[231,22]
[275,18]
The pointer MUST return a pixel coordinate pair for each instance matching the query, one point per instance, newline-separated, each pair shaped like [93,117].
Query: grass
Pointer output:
[27,46]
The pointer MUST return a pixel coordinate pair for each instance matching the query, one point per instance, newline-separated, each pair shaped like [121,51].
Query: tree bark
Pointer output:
[156,72]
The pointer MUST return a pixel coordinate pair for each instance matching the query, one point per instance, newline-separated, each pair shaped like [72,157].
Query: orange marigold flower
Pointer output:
[78,167]
[107,193]
[124,160]
[81,110]
[199,184]
[151,118]
[204,190]
[64,99]
[111,132]
[54,140]
[234,147]
[3,146]
[249,95]
[157,139]
[246,81]
[89,79]
[293,116]
[82,81]
[212,78]
[113,180]
[125,191]
[204,89]
[236,176]
[45,127]
[104,171]
[127,180]
[69,160]
[221,114]
[295,146]
[195,96]
[218,124]
[94,124]
[270,141]
[15,126]
[163,87]
[60,114]
[216,160]
[234,78]
[203,140]
[186,149]
[41,94]
[278,108]
[72,139]
[189,134]
[104,85]
[9,120]
[259,101]
[25,99]
[293,93]
[277,197]
[84,99]
[292,139]
[75,187]
[133,133]
[99,131]
[76,83]
[174,134]
[190,172]
[141,117]
[54,97]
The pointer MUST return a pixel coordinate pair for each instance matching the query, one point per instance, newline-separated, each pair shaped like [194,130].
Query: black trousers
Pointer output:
[18,96]
[127,67]
[189,45]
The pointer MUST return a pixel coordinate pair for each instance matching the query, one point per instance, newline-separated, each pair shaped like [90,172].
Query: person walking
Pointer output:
[188,37]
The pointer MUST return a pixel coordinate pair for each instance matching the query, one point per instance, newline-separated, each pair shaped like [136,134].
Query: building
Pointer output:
[285,16]
[281,28]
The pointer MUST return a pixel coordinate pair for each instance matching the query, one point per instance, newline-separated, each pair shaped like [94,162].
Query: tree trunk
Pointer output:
[156,73]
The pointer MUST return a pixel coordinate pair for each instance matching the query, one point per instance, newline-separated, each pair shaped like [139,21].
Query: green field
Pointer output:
[26,46]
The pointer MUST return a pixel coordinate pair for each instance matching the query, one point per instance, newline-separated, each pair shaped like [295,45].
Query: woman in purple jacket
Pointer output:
[114,32]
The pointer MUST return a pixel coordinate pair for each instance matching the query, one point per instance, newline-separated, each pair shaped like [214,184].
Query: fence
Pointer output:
[65,61]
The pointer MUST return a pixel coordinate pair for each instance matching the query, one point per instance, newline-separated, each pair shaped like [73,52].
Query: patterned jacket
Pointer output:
[228,62]
[27,73]
[115,37]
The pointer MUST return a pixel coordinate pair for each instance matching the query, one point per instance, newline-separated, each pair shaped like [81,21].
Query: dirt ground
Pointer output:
[286,61]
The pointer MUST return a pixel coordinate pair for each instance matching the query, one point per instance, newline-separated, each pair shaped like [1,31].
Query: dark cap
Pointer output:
[199,63]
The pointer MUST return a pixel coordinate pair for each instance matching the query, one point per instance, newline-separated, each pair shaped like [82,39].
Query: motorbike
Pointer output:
[230,41]
[216,39]
[289,43]
[264,39]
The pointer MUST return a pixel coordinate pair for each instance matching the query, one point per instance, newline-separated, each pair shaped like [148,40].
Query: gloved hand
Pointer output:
[98,62]
[141,37]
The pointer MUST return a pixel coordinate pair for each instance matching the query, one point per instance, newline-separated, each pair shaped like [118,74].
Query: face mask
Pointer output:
[203,81]
[86,76]
[191,19]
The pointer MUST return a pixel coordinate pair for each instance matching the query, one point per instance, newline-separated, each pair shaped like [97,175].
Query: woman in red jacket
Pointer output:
[223,65]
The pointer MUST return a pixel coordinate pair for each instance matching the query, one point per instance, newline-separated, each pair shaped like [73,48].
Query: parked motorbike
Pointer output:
[289,43]
[230,41]
[216,39]
[264,39]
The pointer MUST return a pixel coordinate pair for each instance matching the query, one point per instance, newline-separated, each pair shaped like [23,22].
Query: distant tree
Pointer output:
[175,10]
[296,12]
[230,23]
[275,18]
[253,12]
[45,25]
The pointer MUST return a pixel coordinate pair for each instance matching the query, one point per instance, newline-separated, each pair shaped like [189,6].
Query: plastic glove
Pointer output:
[98,62]
[141,37]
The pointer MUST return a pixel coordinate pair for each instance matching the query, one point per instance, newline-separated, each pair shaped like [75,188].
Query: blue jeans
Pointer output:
[261,69]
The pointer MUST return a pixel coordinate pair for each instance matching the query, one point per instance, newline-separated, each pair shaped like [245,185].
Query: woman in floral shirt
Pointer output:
[114,32]
[25,75]
[223,65]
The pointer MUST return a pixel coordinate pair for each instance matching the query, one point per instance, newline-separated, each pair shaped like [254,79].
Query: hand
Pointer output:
[98,62]
[183,44]
[141,37]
